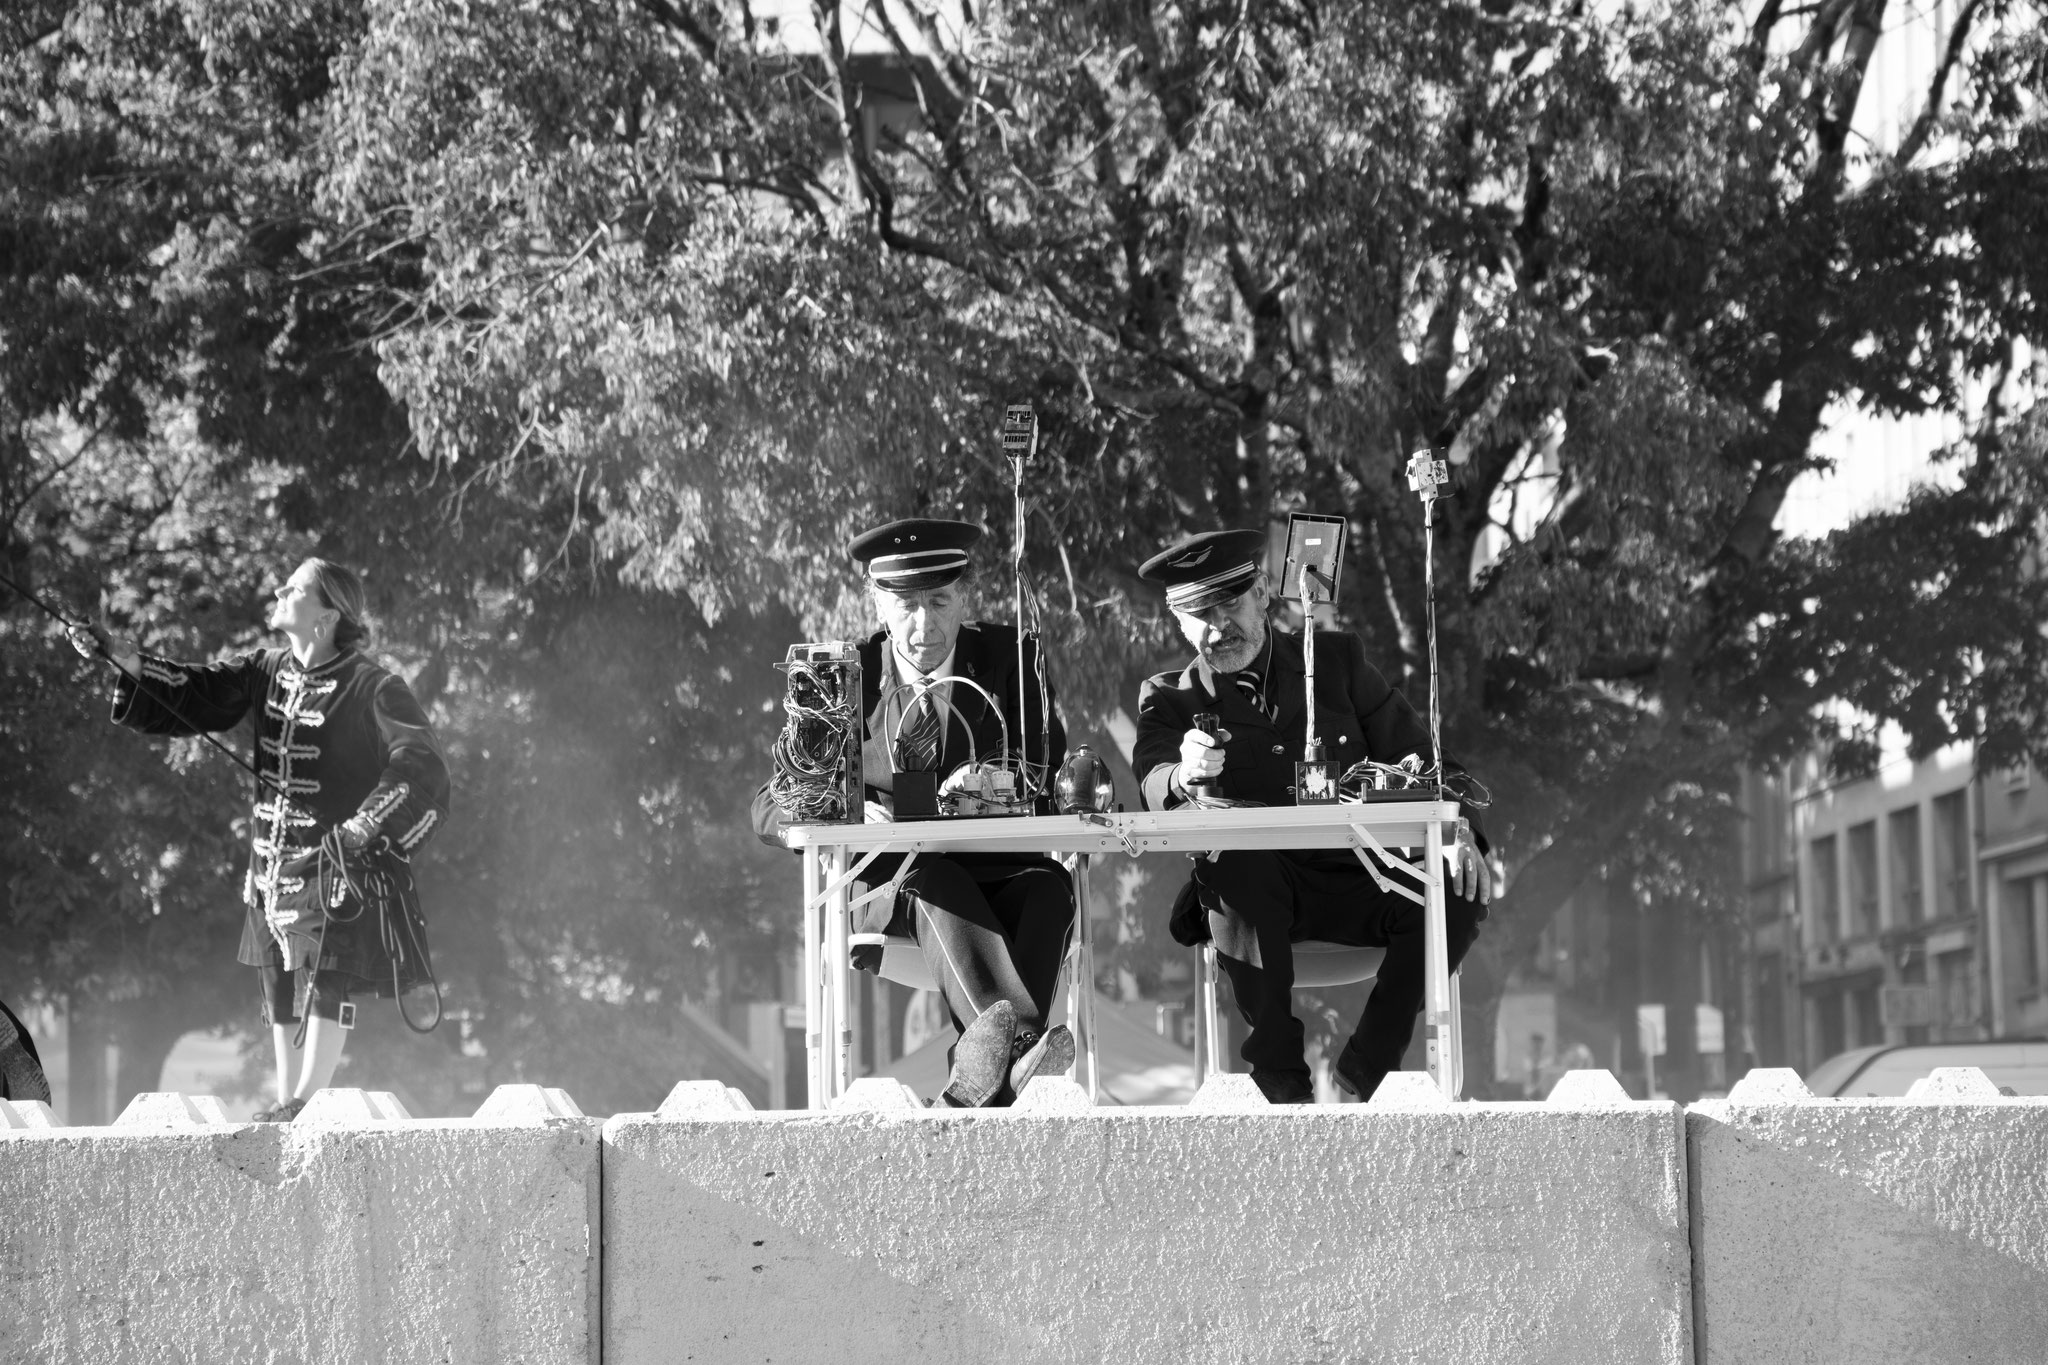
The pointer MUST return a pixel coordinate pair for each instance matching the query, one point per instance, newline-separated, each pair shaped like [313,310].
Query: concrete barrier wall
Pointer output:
[1765,1228]
[350,1235]
[1219,1232]
[1870,1231]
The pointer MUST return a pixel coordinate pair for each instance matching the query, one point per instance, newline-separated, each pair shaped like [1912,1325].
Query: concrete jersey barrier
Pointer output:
[357,1236]
[1769,1227]
[1231,1231]
[1870,1232]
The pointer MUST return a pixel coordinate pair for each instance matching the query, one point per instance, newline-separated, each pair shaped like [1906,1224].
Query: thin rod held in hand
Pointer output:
[141,684]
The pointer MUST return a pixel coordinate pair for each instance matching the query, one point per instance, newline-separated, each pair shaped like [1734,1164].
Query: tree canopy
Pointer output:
[596,329]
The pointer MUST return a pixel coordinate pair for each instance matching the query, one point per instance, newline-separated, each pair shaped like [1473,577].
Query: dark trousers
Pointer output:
[990,933]
[1261,902]
[283,990]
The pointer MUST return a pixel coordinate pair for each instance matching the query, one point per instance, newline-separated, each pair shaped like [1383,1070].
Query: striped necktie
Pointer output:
[917,739]
[1249,685]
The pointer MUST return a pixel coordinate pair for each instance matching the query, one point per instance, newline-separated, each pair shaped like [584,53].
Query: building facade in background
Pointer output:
[1910,906]
[1892,939]
[2012,872]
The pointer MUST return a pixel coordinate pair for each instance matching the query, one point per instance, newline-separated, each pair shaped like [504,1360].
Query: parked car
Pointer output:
[2019,1064]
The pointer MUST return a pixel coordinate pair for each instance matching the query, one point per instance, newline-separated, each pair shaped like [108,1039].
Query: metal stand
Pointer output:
[1081,986]
[1439,1017]
[1209,1062]
[815,1089]
[838,974]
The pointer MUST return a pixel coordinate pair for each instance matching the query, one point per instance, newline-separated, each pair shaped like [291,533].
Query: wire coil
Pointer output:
[817,756]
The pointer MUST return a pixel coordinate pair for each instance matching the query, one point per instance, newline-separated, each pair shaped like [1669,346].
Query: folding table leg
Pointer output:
[1457,1043]
[838,978]
[1081,987]
[1439,1020]
[1211,1041]
[813,980]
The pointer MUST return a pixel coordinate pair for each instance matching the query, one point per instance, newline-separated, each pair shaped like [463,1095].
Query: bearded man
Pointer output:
[1254,904]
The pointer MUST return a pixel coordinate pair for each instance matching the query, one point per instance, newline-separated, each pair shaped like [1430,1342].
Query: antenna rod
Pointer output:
[1020,444]
[1427,475]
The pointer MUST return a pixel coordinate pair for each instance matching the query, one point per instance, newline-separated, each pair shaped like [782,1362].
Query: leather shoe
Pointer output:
[1046,1055]
[981,1059]
[282,1113]
[1355,1075]
[1285,1087]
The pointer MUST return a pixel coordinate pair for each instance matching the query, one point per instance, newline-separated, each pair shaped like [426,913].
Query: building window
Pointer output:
[1955,995]
[1902,834]
[2026,919]
[1771,1046]
[1863,878]
[1829,1013]
[1951,856]
[1766,852]
[1827,892]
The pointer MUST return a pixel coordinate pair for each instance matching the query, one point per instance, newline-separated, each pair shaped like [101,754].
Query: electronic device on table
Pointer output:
[998,784]
[818,777]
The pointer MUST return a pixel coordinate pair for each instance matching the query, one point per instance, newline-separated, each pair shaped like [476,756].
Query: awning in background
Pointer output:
[1137,1064]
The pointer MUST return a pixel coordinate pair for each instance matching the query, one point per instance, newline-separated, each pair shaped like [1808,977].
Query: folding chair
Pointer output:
[1316,963]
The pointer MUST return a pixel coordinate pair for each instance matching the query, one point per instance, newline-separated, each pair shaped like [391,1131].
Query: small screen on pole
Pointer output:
[1315,544]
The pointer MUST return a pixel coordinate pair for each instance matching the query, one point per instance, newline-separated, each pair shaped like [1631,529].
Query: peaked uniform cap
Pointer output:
[919,552]
[1207,569]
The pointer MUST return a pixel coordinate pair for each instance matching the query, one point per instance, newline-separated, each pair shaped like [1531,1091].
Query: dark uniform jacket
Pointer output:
[987,653]
[1358,715]
[332,742]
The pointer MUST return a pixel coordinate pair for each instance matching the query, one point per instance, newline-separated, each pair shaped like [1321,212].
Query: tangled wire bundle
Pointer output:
[818,741]
[1371,775]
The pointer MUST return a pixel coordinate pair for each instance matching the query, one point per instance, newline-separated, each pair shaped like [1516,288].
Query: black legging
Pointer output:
[996,937]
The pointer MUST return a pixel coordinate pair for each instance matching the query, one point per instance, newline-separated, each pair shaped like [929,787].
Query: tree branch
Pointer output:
[674,16]
[1760,33]
[1923,126]
[1620,667]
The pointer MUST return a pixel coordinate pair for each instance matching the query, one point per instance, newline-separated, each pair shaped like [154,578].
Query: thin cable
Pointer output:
[1038,671]
[1017,593]
[1436,740]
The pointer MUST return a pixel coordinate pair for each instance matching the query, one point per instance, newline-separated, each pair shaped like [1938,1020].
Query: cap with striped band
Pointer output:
[916,553]
[1207,569]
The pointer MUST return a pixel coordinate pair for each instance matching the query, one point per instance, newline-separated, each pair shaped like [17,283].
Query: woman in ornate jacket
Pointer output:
[352,784]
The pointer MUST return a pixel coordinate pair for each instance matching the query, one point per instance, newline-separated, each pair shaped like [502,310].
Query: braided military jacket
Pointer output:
[344,739]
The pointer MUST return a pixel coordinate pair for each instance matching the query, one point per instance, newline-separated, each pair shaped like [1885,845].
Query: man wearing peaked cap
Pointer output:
[994,928]
[1254,904]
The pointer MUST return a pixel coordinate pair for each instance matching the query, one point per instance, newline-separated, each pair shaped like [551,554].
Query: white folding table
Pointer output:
[835,854]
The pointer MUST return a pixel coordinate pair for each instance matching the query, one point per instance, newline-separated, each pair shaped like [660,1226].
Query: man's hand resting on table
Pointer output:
[877,813]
